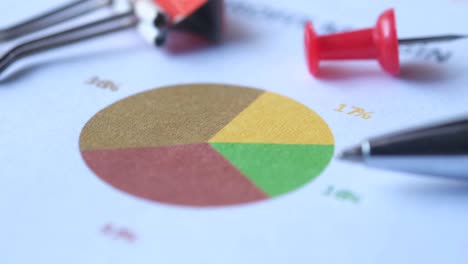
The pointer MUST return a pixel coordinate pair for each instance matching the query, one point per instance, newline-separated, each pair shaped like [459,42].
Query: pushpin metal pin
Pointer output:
[380,43]
[153,19]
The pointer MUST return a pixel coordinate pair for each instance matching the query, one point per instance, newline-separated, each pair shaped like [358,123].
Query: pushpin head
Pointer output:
[380,43]
[386,39]
[311,48]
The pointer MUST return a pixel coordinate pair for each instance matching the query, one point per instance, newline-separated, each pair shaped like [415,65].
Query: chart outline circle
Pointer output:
[107,157]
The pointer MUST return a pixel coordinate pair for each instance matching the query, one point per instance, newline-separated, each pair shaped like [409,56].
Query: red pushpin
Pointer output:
[380,43]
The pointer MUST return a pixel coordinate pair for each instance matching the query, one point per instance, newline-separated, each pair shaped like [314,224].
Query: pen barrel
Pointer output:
[438,151]
[443,140]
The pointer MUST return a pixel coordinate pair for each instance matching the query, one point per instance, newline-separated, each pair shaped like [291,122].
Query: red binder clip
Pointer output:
[155,19]
[380,43]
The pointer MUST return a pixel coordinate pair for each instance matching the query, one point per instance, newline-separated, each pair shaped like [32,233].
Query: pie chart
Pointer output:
[206,145]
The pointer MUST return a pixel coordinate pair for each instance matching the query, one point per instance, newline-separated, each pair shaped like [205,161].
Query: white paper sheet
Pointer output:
[55,210]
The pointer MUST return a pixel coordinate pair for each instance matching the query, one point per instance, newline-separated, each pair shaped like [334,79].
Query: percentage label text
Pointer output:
[342,194]
[104,84]
[354,111]
[118,233]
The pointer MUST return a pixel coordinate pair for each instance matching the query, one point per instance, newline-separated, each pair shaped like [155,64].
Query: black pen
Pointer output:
[438,150]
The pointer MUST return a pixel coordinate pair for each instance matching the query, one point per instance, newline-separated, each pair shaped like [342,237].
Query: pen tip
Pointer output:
[352,154]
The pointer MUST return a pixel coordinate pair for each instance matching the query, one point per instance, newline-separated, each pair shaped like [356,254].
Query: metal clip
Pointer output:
[153,18]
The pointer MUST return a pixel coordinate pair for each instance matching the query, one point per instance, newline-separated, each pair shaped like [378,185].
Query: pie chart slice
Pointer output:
[162,117]
[274,118]
[193,174]
[206,145]
[267,165]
